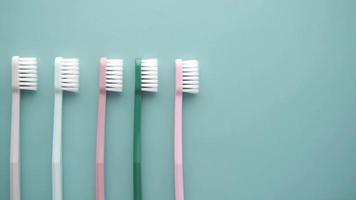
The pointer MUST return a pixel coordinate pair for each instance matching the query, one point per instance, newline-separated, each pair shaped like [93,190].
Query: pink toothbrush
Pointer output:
[111,73]
[187,80]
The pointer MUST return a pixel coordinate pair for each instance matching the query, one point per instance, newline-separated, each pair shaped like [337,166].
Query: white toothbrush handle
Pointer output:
[57,193]
[15,173]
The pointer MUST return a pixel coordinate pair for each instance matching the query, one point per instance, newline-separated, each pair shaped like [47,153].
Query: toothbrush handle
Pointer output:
[15,172]
[137,149]
[178,149]
[100,149]
[57,193]
[178,141]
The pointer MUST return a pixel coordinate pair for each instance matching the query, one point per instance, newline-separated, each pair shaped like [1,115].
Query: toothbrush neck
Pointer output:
[179,92]
[102,90]
[16,90]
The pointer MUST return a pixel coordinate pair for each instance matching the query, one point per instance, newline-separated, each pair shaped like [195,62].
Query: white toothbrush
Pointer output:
[66,78]
[24,77]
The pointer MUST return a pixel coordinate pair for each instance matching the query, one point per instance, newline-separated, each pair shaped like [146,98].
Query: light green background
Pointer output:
[275,118]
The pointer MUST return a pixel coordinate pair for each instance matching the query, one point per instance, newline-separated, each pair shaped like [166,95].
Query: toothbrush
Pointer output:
[66,78]
[187,80]
[146,80]
[24,77]
[111,80]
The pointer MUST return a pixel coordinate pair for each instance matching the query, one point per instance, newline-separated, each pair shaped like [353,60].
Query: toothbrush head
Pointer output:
[67,74]
[112,75]
[24,73]
[190,76]
[149,75]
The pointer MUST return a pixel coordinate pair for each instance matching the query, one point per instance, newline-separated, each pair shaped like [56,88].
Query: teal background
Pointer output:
[274,120]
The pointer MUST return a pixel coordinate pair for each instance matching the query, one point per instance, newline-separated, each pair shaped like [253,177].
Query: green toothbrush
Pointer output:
[146,80]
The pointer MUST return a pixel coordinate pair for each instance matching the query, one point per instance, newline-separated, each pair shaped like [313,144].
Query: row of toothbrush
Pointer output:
[24,77]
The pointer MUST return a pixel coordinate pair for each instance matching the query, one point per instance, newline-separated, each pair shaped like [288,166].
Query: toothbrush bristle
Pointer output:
[114,75]
[27,73]
[69,69]
[190,76]
[149,75]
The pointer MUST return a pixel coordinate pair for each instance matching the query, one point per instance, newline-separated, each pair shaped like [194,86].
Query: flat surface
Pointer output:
[275,118]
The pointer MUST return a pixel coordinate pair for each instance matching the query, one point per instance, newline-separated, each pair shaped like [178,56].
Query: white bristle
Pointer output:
[69,74]
[27,73]
[114,75]
[190,76]
[149,75]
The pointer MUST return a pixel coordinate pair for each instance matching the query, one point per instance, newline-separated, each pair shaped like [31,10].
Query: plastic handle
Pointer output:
[15,171]
[57,192]
[178,143]
[100,138]
[137,182]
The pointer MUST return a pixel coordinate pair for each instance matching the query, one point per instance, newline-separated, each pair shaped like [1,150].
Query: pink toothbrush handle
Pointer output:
[100,140]
[178,143]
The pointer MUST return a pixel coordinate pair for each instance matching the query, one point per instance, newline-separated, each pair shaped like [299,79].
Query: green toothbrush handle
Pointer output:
[137,183]
[137,149]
